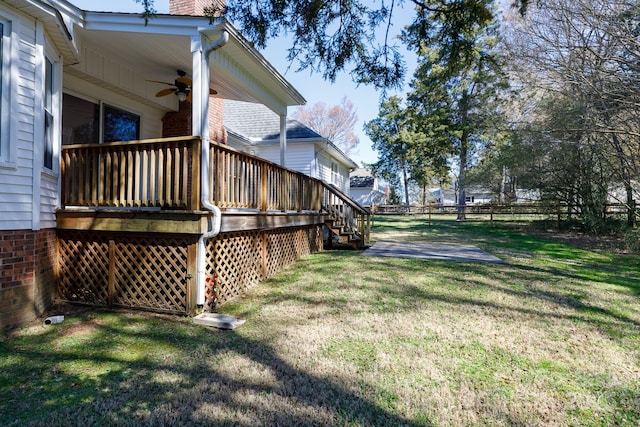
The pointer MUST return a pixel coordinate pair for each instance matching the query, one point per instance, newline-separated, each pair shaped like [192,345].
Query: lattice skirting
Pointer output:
[128,270]
[157,271]
[237,261]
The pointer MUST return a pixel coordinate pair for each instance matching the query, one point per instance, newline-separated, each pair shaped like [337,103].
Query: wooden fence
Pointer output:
[557,212]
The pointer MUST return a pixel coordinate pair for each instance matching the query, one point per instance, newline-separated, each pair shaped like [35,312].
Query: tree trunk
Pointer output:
[503,185]
[462,199]
[405,182]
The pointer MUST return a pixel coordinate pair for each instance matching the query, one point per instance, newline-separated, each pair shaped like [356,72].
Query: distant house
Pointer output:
[473,195]
[366,189]
[306,150]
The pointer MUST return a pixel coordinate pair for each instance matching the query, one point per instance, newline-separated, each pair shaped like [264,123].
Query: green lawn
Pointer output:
[552,337]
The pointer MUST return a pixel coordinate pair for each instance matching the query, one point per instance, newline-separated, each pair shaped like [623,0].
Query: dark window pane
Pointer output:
[48,115]
[80,121]
[120,125]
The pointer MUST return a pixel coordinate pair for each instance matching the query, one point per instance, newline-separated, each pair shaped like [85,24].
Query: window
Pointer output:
[48,115]
[80,121]
[334,173]
[83,122]
[120,125]
[5,94]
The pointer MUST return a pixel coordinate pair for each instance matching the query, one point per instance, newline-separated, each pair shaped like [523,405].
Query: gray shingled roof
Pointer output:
[361,181]
[259,123]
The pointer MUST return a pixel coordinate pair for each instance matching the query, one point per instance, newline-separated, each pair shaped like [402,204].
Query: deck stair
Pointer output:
[345,219]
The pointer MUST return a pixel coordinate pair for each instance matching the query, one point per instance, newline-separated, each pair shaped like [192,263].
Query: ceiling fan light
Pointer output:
[182,96]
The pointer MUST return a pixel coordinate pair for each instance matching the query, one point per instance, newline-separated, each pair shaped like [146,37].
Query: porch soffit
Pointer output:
[158,49]
[59,20]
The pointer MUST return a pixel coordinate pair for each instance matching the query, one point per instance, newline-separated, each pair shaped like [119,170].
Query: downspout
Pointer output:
[216,219]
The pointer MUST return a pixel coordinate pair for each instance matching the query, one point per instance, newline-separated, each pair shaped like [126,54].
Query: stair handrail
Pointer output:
[363,226]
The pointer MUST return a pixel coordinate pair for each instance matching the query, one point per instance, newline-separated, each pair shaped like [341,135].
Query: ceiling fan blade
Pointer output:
[158,81]
[165,92]
[213,92]
[184,80]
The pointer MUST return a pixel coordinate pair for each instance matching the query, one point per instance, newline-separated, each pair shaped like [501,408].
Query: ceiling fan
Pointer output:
[181,87]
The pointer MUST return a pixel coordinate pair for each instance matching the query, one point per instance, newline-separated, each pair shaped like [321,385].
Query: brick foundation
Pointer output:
[27,275]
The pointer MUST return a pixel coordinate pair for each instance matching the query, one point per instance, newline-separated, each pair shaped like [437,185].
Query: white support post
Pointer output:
[283,140]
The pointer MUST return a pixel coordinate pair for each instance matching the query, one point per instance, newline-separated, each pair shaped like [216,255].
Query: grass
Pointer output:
[552,337]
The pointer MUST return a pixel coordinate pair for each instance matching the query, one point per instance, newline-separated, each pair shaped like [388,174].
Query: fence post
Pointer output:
[491,214]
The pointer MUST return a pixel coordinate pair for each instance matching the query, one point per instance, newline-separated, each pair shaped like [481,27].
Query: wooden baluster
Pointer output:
[178,164]
[154,165]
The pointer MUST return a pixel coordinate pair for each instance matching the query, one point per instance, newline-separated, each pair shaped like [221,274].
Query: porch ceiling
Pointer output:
[157,50]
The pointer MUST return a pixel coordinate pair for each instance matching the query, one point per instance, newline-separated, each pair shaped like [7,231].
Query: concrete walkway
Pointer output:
[430,251]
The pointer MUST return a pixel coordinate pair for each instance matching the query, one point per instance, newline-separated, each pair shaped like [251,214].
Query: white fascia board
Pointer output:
[134,23]
[296,97]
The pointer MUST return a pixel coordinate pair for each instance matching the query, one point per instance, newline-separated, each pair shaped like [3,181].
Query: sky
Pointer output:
[312,86]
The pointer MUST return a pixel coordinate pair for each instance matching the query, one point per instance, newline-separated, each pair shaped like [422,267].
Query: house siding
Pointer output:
[17,183]
[367,196]
[325,174]
[27,234]
[298,157]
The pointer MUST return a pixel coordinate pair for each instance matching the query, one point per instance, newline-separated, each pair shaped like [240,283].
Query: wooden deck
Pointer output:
[141,201]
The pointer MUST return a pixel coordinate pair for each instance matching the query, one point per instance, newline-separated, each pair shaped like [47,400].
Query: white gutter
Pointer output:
[216,219]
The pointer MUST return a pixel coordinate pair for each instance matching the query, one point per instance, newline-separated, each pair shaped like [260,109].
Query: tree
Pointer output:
[391,136]
[580,59]
[336,123]
[331,36]
[456,98]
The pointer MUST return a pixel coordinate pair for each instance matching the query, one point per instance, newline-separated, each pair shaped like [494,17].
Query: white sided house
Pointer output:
[113,194]
[306,151]
[366,188]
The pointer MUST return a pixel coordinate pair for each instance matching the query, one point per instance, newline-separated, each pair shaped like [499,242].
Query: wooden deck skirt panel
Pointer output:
[156,271]
[237,261]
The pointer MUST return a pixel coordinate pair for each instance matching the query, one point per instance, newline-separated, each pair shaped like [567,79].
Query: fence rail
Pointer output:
[495,211]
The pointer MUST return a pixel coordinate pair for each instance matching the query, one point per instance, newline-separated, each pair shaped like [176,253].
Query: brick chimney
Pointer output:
[178,123]
[194,7]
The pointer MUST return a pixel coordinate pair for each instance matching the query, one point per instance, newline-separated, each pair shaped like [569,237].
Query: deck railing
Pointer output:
[165,173]
[159,173]
[241,181]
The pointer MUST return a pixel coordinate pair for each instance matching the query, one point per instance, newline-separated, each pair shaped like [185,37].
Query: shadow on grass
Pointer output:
[188,384]
[533,285]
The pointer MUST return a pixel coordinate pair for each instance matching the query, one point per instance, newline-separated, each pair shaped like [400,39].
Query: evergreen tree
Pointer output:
[456,97]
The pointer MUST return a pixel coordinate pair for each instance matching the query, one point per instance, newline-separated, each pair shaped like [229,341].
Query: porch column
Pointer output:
[200,108]
[283,140]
